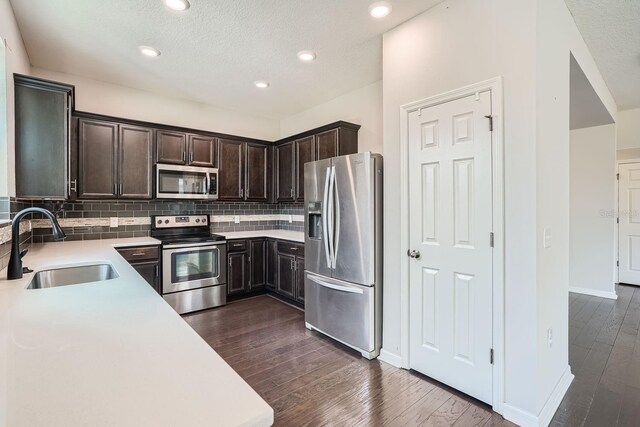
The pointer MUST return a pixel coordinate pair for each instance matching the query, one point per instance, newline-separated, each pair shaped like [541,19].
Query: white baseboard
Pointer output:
[527,419]
[518,416]
[553,402]
[390,358]
[593,292]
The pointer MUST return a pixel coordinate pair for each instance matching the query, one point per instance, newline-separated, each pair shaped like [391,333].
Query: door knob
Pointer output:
[413,254]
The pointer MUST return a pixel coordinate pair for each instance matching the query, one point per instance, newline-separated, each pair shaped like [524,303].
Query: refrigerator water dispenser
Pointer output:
[315,220]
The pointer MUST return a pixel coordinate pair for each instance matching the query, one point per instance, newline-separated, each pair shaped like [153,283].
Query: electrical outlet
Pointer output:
[290,219]
[236,219]
[113,222]
[550,337]
[546,238]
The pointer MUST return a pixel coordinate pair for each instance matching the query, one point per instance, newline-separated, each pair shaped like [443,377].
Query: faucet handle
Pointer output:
[23,253]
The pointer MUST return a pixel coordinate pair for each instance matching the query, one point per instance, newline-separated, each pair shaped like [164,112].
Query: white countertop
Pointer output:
[109,353]
[294,236]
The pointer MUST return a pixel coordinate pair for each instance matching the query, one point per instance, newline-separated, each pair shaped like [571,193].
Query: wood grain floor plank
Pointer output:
[474,416]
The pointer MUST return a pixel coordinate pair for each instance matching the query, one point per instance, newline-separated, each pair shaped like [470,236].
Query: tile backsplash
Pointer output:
[89,220]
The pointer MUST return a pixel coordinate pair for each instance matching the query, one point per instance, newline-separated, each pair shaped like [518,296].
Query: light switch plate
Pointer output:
[236,219]
[290,219]
[113,222]
[546,238]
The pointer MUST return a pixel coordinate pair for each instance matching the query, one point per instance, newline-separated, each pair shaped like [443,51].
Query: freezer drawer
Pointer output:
[343,311]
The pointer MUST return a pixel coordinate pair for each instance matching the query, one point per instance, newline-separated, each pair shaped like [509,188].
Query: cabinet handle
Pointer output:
[121,192]
[138,254]
[157,270]
[291,192]
[183,157]
[241,192]
[115,189]
[229,262]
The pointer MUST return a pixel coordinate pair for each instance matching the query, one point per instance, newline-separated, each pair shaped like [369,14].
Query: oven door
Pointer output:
[193,266]
[186,182]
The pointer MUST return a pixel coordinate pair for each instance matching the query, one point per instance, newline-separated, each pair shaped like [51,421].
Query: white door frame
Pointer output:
[495,86]
[616,236]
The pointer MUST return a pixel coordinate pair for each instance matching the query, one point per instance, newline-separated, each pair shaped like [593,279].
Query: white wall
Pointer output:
[458,43]
[362,106]
[104,98]
[557,39]
[629,129]
[16,61]
[529,42]
[592,222]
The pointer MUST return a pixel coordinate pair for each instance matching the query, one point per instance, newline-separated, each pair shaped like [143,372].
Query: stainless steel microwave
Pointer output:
[186,182]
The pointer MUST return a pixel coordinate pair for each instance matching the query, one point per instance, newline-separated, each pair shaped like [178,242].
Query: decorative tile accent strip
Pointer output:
[89,220]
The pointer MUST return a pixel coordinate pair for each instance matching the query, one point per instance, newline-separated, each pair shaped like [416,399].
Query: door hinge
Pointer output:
[617,263]
[491,242]
[618,176]
[491,356]
[490,117]
[618,220]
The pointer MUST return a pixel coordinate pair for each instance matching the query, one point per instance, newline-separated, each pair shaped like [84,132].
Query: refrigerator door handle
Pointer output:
[337,218]
[330,219]
[325,221]
[335,287]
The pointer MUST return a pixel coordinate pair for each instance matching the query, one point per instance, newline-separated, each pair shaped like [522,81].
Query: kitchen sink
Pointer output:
[72,276]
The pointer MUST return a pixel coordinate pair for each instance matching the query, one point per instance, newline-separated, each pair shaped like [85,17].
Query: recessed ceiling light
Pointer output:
[149,51]
[177,4]
[261,84]
[306,56]
[380,9]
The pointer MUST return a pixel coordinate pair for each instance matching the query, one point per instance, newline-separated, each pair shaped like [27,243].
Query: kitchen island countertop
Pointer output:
[109,353]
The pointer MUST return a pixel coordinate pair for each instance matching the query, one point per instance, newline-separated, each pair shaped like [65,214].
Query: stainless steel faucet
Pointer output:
[14,270]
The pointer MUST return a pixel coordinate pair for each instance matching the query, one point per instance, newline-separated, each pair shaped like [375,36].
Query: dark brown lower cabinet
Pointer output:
[257,264]
[272,258]
[286,275]
[150,271]
[299,280]
[146,261]
[236,274]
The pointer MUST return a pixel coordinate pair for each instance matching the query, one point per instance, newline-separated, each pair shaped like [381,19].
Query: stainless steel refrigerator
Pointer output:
[343,250]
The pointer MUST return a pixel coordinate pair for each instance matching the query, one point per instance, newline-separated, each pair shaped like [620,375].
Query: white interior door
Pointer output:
[629,229]
[450,217]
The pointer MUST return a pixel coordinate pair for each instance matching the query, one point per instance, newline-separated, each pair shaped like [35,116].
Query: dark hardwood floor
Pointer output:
[310,380]
[604,355]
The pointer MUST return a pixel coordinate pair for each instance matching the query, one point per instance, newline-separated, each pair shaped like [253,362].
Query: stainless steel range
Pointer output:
[194,270]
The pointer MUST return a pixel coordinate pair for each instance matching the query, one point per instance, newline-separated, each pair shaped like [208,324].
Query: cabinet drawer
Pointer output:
[236,245]
[140,253]
[290,248]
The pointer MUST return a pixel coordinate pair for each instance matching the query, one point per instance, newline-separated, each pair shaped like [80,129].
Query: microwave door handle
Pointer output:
[206,184]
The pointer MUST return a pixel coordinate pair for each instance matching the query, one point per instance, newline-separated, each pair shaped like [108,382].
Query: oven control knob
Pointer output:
[166,221]
[197,219]
[159,221]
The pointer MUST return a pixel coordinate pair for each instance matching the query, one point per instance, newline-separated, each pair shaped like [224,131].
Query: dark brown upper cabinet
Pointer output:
[43,143]
[230,170]
[115,160]
[172,147]
[291,154]
[135,162]
[98,157]
[181,148]
[285,172]
[305,152]
[256,167]
[202,151]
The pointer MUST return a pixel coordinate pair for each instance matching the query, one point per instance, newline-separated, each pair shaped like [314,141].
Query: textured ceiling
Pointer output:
[611,29]
[213,52]
[586,108]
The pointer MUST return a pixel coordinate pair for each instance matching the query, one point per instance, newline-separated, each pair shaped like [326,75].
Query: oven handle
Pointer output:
[195,245]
